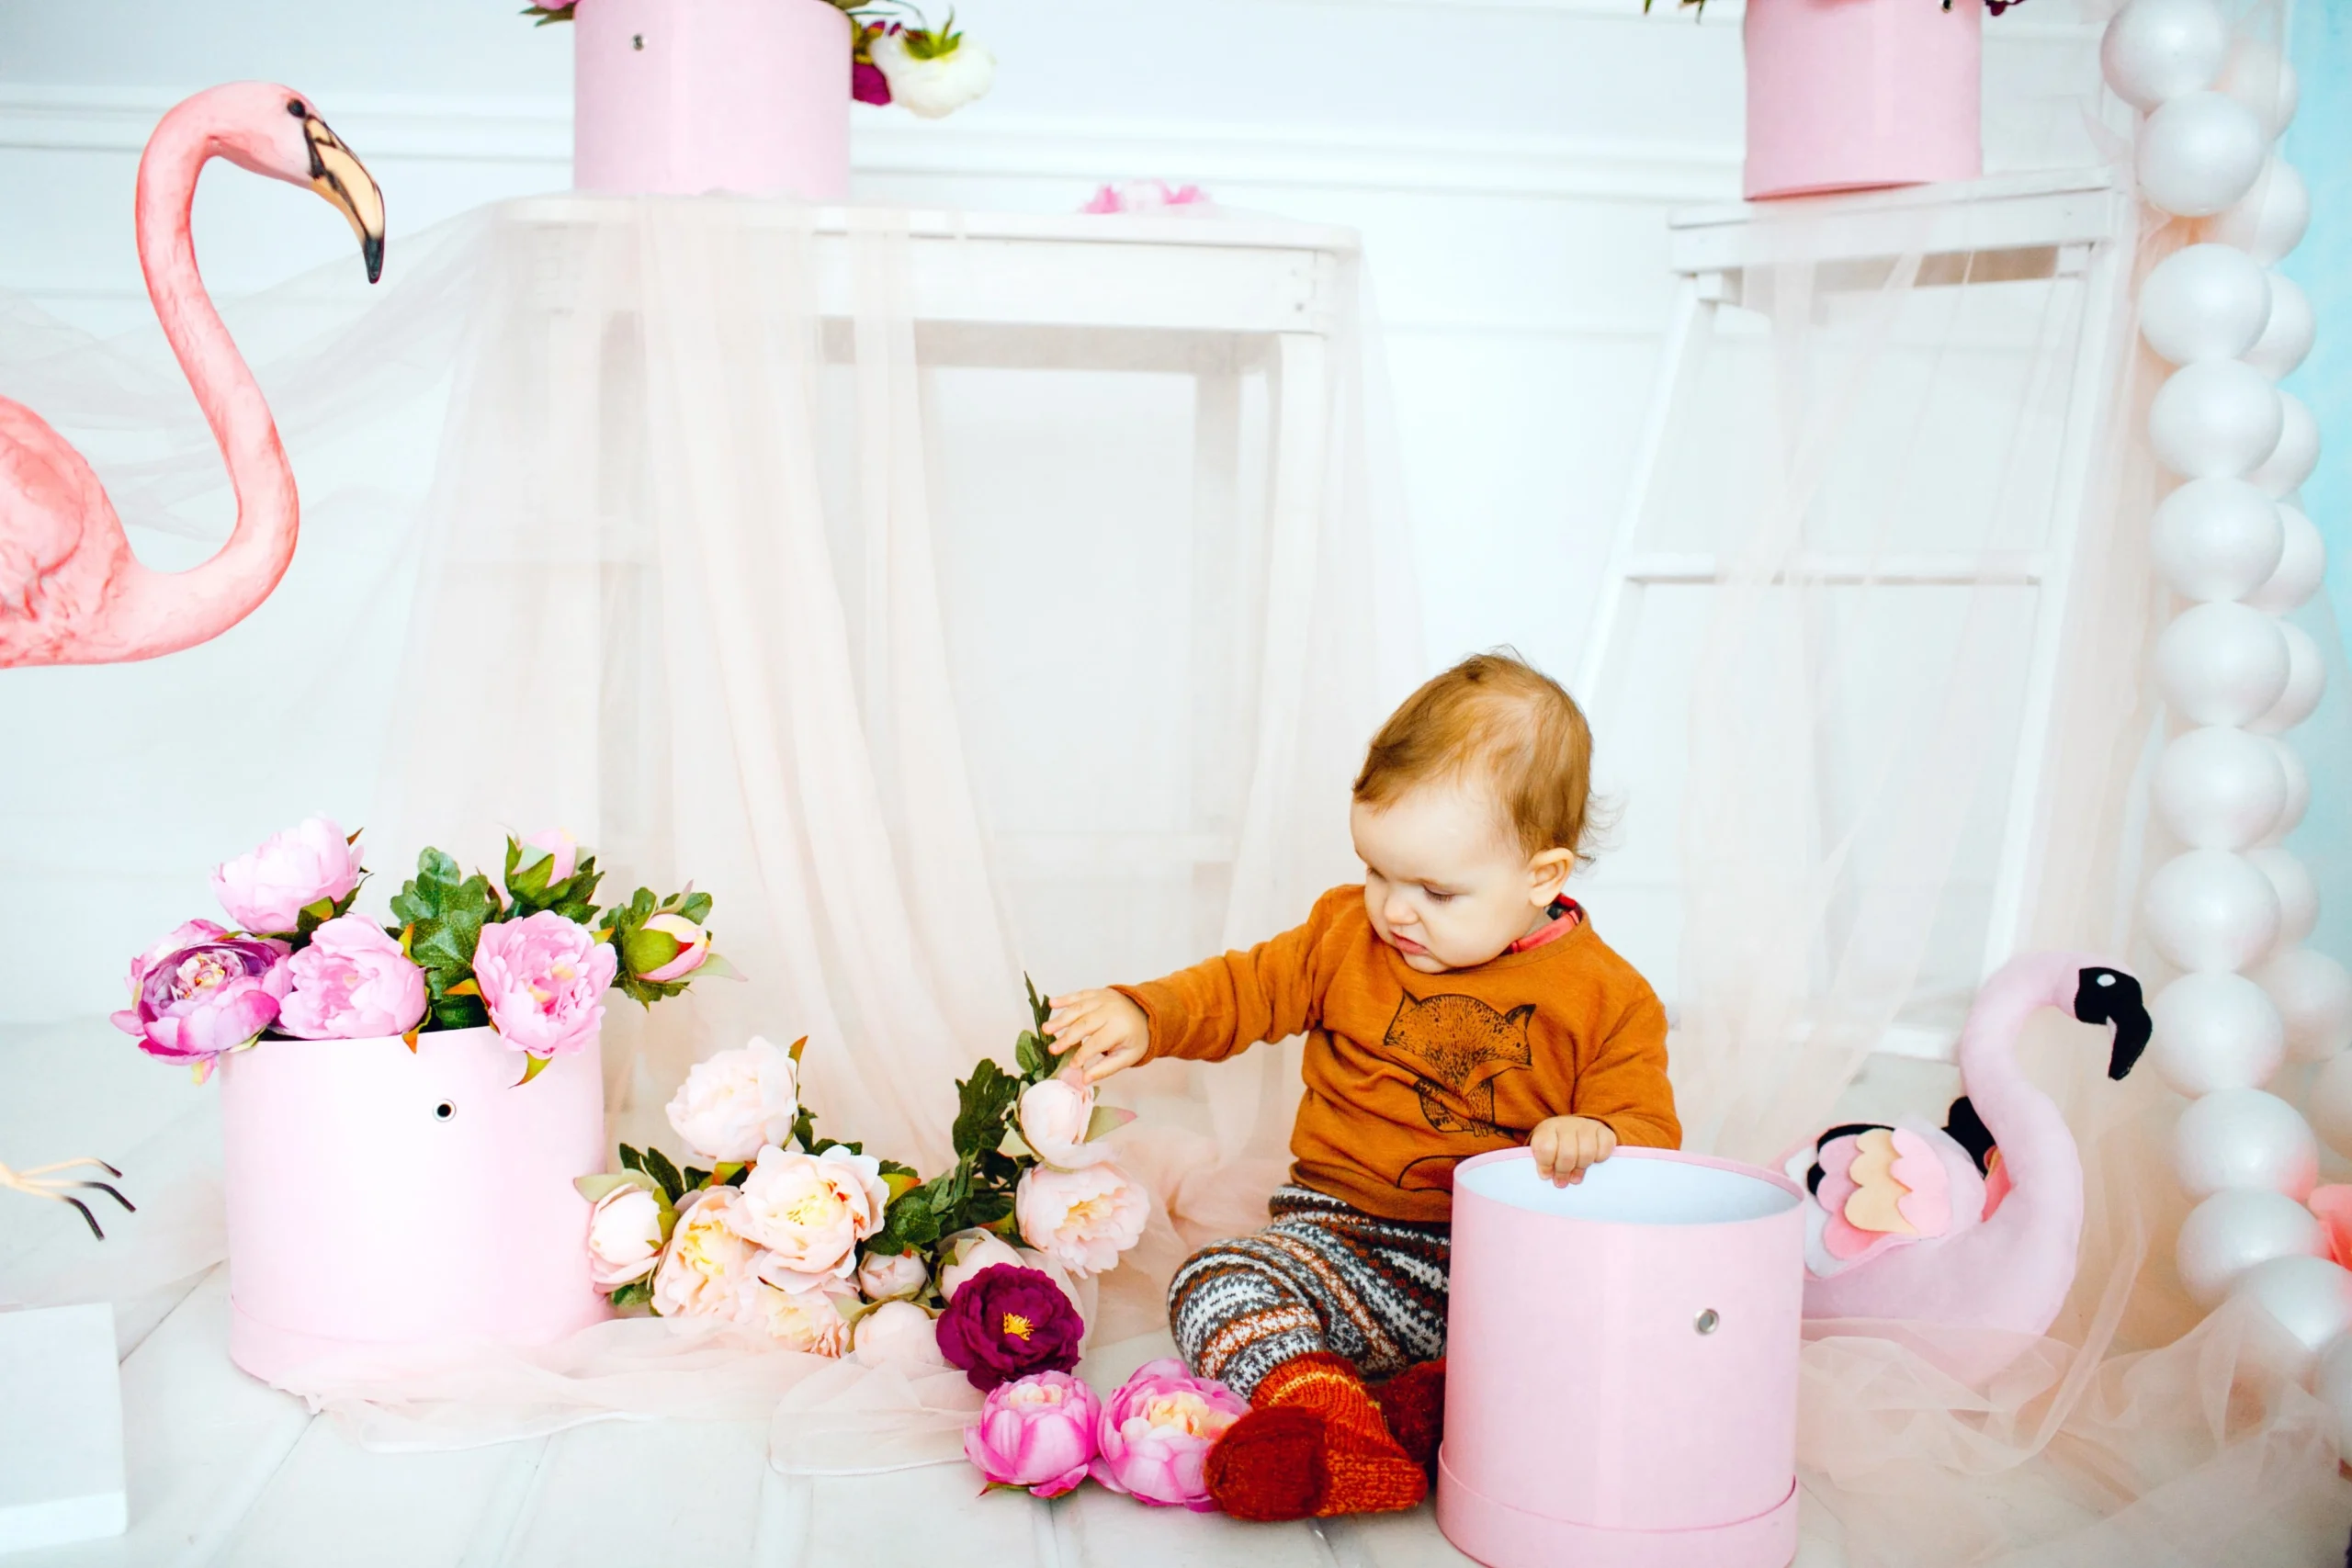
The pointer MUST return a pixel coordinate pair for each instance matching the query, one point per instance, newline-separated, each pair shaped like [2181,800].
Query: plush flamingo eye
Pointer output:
[294,107]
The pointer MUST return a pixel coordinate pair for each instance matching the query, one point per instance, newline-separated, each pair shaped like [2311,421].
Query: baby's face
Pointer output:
[1445,881]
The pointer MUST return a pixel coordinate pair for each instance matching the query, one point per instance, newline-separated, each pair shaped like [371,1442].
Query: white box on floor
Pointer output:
[61,1427]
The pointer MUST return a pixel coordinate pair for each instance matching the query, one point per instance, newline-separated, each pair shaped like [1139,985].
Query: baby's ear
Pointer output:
[1547,873]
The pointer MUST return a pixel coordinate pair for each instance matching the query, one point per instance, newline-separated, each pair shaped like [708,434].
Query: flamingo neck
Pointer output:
[2037,1146]
[180,609]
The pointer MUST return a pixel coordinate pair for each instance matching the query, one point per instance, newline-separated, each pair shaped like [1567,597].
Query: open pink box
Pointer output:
[1622,1365]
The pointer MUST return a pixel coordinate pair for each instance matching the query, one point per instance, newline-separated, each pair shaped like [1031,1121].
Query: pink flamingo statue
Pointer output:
[71,590]
[1902,1220]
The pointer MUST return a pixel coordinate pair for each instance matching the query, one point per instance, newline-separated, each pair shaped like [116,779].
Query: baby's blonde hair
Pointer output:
[1498,718]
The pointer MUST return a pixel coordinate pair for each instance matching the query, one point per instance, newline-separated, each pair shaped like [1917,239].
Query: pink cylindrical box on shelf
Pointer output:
[1843,95]
[1621,1364]
[383,1199]
[677,98]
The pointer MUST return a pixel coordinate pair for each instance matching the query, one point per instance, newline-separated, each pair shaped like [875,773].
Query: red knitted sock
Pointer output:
[1313,1443]
[1413,1405]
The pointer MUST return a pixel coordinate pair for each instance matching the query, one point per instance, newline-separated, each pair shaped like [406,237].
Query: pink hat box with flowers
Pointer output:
[406,1106]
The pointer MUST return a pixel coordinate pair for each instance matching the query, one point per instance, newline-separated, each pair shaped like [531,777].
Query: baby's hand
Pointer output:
[1565,1145]
[1100,1031]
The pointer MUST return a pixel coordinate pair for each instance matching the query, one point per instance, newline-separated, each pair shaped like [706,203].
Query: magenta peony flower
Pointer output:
[1006,1322]
[352,983]
[266,891]
[1155,1432]
[540,978]
[1037,1431]
[200,991]
[866,83]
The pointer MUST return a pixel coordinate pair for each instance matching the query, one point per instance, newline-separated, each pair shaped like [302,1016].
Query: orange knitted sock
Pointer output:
[1313,1443]
[1413,1404]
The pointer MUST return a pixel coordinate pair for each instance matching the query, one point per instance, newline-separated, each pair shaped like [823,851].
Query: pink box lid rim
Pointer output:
[1671,1157]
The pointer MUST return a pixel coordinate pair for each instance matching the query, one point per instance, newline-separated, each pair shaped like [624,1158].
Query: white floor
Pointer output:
[225,1469]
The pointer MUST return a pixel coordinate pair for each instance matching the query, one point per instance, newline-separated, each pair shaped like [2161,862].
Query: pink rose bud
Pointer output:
[352,983]
[1155,1433]
[266,891]
[666,948]
[1037,1432]
[556,845]
[540,978]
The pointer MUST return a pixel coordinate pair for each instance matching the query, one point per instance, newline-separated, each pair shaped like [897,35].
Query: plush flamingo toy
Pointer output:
[1975,1222]
[71,590]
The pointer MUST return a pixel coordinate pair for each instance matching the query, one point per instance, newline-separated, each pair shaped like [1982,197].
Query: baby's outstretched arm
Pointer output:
[1101,1032]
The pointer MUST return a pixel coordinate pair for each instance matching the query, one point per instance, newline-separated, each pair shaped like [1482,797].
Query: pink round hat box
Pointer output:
[677,98]
[1843,95]
[1620,1382]
[382,1199]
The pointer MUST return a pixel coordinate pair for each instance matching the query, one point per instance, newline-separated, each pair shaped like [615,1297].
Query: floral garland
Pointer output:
[830,1250]
[929,72]
[531,960]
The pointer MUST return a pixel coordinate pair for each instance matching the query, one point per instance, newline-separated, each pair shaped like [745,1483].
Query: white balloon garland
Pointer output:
[2233,909]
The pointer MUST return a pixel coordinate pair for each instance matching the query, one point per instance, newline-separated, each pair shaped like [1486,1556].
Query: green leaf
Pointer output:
[532,1067]
[696,1180]
[729,1172]
[1015,1147]
[658,1166]
[982,1101]
[637,1293]
[1031,1051]
[631,1160]
[444,912]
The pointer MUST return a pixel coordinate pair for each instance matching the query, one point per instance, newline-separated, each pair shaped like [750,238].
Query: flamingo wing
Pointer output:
[50,502]
[1871,1189]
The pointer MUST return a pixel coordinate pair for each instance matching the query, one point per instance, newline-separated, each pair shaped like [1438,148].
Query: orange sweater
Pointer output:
[1407,1073]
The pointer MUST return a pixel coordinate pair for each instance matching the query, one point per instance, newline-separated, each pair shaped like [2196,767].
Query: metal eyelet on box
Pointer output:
[444,1111]
[1707,1321]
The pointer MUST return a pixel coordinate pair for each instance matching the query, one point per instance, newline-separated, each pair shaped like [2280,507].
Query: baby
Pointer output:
[1457,1002]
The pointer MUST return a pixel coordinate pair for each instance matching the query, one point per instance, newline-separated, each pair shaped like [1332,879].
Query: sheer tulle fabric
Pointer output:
[670,523]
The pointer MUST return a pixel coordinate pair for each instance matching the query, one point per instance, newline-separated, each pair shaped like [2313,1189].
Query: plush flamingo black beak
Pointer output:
[2111,997]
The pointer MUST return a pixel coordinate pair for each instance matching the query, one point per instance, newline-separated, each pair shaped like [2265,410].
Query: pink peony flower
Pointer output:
[884,1276]
[1155,1432]
[810,1211]
[706,1271]
[557,845]
[200,992]
[898,1334]
[1144,196]
[666,948]
[737,1102]
[1037,1431]
[625,1229]
[1080,1218]
[1055,1116]
[540,978]
[352,983]
[266,891]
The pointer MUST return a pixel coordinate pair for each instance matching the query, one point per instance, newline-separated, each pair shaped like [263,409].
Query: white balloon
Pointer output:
[2291,461]
[2221,664]
[2286,340]
[2216,539]
[2333,1385]
[2218,788]
[2314,995]
[2328,1103]
[2208,910]
[2270,219]
[2218,419]
[2311,1298]
[2298,891]
[2199,153]
[2299,790]
[2243,1137]
[2302,564]
[2306,682]
[2231,1232]
[2258,76]
[2157,49]
[2204,302]
[2214,1031]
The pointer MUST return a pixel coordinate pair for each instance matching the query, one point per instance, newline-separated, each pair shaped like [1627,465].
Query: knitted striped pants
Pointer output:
[1322,1277]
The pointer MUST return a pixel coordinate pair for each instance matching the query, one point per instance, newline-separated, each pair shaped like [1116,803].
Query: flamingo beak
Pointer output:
[2111,997]
[346,182]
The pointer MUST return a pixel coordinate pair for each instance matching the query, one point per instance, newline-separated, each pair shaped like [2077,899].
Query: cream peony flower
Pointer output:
[623,1236]
[739,1102]
[902,1335]
[1080,1218]
[937,86]
[799,1320]
[884,1276]
[811,1210]
[966,1253]
[707,1266]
